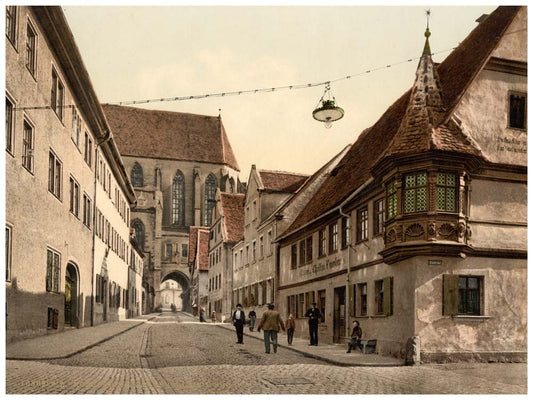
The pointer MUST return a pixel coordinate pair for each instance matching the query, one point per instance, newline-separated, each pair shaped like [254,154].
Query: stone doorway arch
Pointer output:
[184,282]
[71,295]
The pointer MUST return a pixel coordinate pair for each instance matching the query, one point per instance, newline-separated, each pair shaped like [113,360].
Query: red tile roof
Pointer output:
[193,241]
[233,212]
[456,73]
[283,182]
[172,135]
[203,250]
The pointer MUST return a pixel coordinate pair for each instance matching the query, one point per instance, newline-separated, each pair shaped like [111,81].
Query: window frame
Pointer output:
[509,119]
[30,59]
[333,237]
[74,197]
[28,147]
[11,29]
[379,217]
[9,251]
[447,188]
[322,243]
[391,205]
[57,94]
[346,230]
[88,149]
[87,210]
[362,224]
[137,175]
[55,179]
[294,256]
[10,125]
[53,274]
[210,189]
[480,293]
[417,190]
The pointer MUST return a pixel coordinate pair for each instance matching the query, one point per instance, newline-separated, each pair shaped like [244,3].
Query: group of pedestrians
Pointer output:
[271,323]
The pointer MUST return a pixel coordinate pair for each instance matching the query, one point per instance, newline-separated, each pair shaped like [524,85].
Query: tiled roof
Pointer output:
[456,73]
[170,135]
[284,182]
[193,241]
[203,250]
[233,212]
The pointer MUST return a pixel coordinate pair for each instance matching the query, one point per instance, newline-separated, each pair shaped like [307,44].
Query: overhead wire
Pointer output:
[247,91]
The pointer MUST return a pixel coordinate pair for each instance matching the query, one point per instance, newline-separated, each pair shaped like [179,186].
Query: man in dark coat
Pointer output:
[238,319]
[313,315]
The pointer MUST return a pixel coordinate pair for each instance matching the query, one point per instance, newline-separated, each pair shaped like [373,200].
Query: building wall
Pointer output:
[38,219]
[498,334]
[41,219]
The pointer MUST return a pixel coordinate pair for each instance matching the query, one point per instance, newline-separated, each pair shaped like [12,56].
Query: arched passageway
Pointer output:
[184,283]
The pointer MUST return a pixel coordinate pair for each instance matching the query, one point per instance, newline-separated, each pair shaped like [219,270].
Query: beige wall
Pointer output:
[40,220]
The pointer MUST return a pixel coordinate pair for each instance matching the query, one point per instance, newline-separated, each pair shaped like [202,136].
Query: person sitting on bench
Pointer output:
[357,332]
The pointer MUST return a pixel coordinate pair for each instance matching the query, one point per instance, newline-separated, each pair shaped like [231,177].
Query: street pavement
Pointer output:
[176,354]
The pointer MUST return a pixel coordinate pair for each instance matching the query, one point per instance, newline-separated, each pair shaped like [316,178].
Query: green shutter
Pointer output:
[450,294]
[387,296]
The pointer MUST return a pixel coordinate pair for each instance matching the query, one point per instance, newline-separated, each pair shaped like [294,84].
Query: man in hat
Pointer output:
[313,315]
[238,319]
[271,322]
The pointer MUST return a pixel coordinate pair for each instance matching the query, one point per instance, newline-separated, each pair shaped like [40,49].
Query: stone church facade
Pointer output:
[176,162]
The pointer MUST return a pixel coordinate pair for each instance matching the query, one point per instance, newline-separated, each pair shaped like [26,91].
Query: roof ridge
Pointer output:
[282,172]
[150,110]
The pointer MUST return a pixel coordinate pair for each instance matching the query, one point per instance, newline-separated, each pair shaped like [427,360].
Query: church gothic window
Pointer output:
[210,190]
[138,227]
[137,175]
[178,199]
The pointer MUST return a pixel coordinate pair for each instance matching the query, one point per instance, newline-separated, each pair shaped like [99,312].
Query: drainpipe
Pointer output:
[106,139]
[350,248]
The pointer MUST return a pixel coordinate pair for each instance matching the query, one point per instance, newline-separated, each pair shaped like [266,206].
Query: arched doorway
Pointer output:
[183,282]
[71,295]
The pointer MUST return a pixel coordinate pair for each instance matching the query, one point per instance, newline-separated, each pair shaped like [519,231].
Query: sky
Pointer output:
[149,52]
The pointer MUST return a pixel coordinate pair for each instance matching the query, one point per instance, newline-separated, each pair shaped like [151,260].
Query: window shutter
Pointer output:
[351,298]
[450,294]
[387,296]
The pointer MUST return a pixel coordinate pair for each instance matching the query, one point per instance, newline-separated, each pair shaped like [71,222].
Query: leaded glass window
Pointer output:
[415,192]
[210,190]
[392,200]
[137,178]
[178,199]
[446,192]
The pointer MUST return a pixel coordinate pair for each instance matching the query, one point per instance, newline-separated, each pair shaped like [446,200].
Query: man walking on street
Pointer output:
[270,322]
[238,319]
[314,316]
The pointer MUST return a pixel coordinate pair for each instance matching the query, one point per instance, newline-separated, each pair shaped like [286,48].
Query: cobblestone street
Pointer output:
[173,354]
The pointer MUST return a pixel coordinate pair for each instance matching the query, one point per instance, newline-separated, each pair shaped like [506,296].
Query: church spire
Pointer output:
[425,109]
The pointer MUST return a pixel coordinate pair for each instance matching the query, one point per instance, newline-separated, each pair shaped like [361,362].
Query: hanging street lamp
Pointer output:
[327,111]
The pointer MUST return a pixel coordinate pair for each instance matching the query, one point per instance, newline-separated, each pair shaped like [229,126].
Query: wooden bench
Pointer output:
[368,345]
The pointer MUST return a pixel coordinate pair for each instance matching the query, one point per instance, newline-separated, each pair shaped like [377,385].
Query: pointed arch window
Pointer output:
[137,175]
[138,227]
[178,199]
[210,189]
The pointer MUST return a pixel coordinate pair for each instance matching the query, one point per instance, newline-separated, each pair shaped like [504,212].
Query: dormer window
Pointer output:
[517,110]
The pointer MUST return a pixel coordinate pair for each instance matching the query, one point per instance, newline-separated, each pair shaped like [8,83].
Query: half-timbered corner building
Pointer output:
[420,232]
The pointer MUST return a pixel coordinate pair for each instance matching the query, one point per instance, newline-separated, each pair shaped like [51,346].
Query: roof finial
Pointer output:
[219,112]
[427,34]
